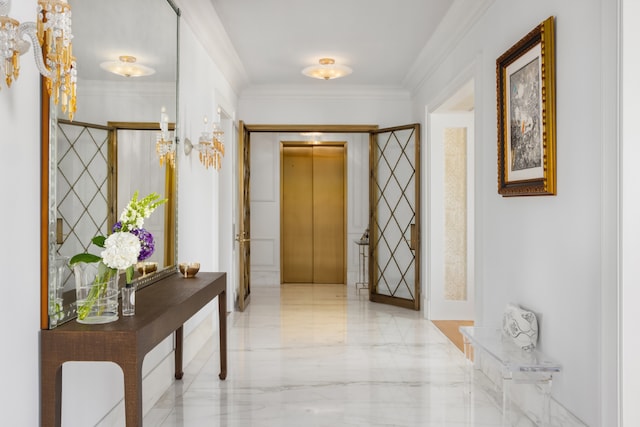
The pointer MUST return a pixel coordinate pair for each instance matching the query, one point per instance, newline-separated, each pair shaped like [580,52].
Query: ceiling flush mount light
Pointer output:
[126,66]
[327,70]
[165,145]
[51,39]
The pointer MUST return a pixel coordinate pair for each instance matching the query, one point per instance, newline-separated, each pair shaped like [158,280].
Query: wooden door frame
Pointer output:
[310,144]
[244,223]
[247,129]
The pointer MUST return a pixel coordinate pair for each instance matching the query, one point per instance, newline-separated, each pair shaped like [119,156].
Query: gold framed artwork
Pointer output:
[526,87]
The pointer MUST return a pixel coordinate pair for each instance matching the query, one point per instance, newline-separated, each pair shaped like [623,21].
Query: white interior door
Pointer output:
[451,229]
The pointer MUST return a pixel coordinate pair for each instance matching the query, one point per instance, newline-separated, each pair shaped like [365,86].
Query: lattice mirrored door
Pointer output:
[394,189]
[82,190]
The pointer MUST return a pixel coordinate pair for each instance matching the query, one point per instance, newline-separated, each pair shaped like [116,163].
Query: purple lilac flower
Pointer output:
[147,245]
[116,227]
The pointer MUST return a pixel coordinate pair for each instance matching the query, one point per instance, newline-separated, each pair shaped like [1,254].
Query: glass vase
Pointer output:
[129,300]
[57,270]
[96,293]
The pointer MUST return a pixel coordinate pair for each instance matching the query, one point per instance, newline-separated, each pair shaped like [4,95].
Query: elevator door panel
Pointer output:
[313,214]
[328,214]
[297,215]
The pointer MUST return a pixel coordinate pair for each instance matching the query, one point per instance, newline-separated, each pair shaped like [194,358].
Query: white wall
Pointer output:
[19,252]
[274,105]
[202,202]
[546,252]
[630,215]
[198,234]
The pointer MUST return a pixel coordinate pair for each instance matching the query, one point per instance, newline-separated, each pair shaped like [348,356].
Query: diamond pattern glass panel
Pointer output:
[81,187]
[394,207]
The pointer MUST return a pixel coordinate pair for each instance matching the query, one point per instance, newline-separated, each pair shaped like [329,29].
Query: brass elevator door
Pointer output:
[313,211]
[297,215]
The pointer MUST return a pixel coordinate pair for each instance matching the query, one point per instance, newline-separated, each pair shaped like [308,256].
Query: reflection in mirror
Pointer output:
[137,168]
[98,161]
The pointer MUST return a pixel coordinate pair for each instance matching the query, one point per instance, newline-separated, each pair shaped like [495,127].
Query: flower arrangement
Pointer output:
[128,243]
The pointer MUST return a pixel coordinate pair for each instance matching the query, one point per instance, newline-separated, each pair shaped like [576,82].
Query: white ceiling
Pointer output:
[379,39]
[147,31]
[268,42]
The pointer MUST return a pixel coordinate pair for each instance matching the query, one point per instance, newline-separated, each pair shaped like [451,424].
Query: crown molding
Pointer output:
[126,88]
[208,29]
[460,18]
[321,92]
[205,23]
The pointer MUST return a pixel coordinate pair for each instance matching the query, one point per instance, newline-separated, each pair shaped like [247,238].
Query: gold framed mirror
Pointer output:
[80,161]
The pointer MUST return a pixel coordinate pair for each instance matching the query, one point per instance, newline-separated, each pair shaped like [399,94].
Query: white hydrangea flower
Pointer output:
[121,250]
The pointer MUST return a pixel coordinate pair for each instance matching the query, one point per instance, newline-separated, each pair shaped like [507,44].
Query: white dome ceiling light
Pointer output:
[327,70]
[126,66]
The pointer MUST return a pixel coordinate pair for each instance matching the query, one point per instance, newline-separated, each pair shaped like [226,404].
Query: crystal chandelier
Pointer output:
[165,145]
[51,39]
[210,145]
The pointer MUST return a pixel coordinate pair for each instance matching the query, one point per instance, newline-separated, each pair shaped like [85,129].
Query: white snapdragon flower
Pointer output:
[137,210]
[121,250]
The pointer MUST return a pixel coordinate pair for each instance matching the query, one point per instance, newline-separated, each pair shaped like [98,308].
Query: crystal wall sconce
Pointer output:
[51,39]
[210,145]
[165,145]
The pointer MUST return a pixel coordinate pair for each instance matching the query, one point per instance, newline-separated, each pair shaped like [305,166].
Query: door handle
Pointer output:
[59,235]
[414,238]
[242,239]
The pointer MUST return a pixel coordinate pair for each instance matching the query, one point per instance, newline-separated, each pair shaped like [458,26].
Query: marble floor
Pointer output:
[323,355]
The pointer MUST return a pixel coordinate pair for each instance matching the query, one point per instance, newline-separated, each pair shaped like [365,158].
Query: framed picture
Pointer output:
[526,88]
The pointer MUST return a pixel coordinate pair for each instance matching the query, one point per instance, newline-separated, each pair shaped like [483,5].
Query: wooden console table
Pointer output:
[161,309]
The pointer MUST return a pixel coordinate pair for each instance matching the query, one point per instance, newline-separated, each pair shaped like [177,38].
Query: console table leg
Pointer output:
[178,353]
[51,397]
[132,393]
[222,319]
